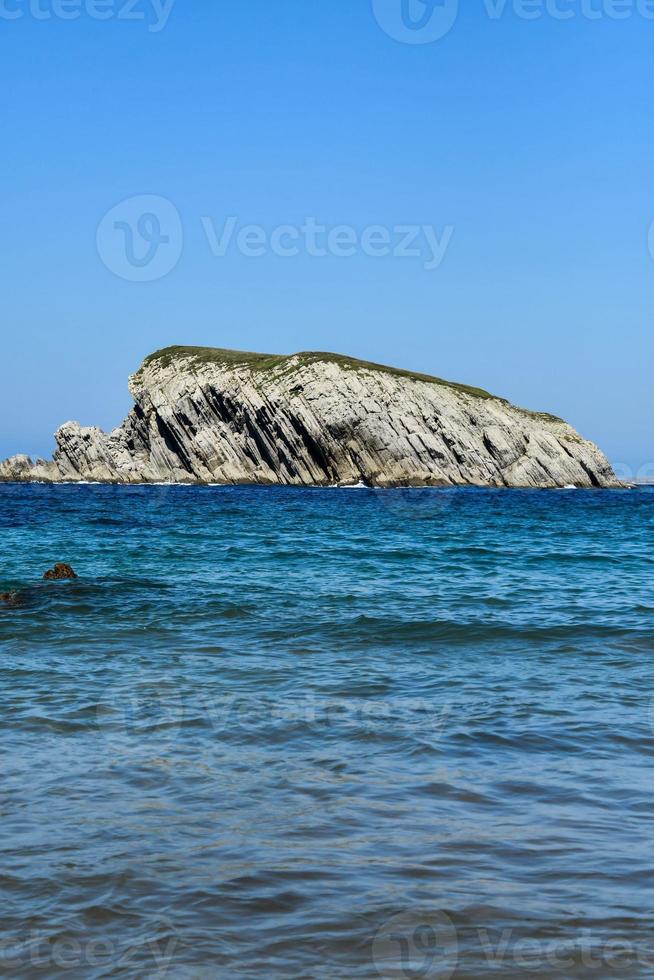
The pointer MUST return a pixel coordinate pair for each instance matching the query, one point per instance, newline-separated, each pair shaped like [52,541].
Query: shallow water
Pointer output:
[327,733]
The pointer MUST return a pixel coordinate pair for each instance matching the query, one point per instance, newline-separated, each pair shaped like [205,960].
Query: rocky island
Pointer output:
[207,415]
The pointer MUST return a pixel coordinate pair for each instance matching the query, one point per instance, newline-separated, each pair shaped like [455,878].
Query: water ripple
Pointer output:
[316,733]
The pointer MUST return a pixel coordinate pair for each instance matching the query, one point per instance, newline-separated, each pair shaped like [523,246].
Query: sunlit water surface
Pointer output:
[327,733]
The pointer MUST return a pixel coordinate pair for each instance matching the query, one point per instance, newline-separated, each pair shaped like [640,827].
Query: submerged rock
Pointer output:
[205,415]
[12,599]
[60,571]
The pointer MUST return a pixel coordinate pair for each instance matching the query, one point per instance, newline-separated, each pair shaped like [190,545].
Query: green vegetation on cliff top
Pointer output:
[266,362]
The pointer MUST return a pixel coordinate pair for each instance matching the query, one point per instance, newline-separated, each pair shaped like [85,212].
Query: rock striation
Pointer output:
[205,415]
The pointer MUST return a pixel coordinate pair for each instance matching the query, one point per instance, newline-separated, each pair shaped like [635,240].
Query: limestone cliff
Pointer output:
[218,416]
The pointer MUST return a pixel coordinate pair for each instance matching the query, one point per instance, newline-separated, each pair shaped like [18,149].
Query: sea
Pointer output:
[327,733]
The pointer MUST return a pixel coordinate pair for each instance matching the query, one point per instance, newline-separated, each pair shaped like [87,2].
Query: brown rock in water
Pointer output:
[60,571]
[11,598]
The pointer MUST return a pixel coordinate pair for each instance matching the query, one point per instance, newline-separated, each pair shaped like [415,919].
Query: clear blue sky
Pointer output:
[531,138]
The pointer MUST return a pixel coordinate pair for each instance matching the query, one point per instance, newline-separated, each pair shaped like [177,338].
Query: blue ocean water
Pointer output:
[327,733]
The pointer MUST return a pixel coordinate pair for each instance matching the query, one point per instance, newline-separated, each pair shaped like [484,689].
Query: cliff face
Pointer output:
[205,415]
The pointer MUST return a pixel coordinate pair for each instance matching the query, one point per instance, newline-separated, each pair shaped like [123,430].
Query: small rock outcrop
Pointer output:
[205,415]
[12,599]
[60,571]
